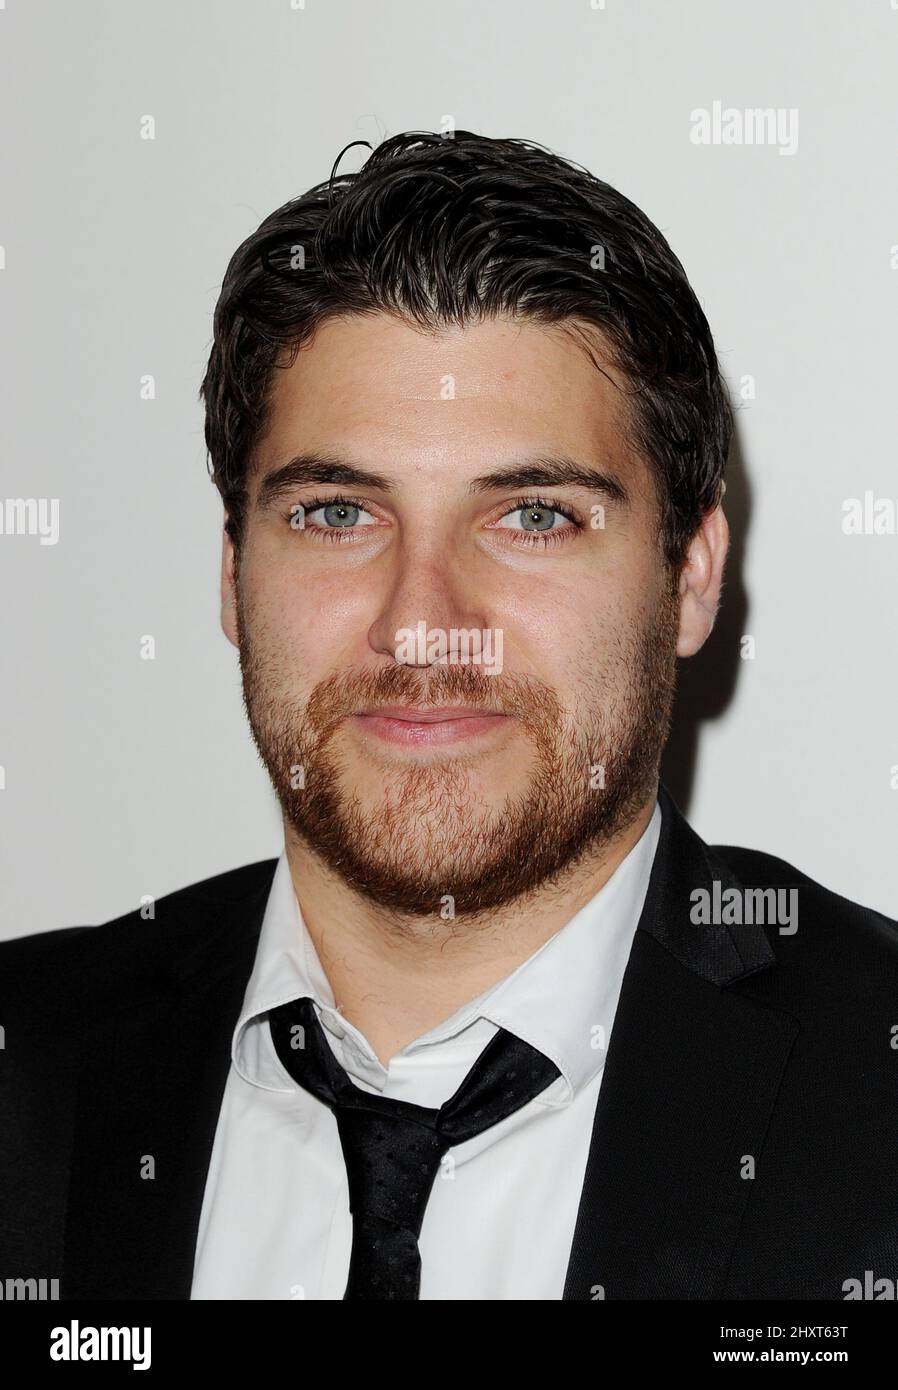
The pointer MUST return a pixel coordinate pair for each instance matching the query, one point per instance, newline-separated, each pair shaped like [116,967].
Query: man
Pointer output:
[497,1024]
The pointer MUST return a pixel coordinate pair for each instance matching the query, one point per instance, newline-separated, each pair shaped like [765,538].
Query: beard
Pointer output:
[430,838]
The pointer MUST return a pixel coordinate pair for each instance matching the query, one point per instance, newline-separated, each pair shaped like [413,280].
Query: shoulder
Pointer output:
[829,947]
[757,868]
[834,976]
[141,943]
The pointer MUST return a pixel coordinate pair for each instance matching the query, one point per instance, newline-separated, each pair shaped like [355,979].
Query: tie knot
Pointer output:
[393,1148]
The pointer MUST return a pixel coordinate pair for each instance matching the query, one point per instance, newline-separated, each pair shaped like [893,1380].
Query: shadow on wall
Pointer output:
[706,681]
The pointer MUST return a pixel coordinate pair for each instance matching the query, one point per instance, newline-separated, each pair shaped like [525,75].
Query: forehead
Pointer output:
[381,389]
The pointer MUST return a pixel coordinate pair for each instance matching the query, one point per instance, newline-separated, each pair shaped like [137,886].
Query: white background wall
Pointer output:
[126,777]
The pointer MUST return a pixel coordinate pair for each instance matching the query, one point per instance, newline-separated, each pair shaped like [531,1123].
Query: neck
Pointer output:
[394,978]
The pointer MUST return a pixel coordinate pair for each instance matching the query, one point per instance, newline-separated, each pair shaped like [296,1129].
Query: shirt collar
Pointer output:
[561,1000]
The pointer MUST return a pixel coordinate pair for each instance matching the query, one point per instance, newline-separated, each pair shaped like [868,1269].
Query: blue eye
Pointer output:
[538,515]
[338,513]
[534,518]
[542,523]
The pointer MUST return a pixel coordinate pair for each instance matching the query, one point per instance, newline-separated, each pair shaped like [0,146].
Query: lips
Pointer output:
[411,725]
[429,714]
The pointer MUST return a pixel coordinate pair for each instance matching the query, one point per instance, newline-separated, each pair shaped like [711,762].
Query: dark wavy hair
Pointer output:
[447,230]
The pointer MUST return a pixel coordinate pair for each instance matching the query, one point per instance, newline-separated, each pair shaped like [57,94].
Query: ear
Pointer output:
[701,579]
[228,589]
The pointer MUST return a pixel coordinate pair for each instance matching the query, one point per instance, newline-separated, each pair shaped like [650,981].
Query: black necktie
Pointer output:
[393,1148]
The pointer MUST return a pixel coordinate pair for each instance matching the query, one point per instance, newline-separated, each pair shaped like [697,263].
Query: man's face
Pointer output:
[563,585]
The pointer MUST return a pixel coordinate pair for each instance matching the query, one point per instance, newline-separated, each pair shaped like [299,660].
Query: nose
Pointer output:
[426,586]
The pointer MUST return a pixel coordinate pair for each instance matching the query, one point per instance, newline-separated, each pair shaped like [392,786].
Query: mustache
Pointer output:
[342,693]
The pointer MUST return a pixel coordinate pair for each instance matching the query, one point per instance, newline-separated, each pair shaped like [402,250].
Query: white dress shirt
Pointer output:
[499,1222]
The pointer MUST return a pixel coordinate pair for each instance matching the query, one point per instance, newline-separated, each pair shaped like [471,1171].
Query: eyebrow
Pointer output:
[557,470]
[317,468]
[552,471]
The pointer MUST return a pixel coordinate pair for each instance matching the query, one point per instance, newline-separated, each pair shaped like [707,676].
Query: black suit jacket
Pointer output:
[732,1046]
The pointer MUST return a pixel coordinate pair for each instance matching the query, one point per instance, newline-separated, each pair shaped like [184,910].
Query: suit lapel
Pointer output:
[149,1092]
[692,1072]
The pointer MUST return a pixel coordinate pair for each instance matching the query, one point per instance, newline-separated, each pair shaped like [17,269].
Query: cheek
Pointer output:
[557,621]
[583,640]
[309,627]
